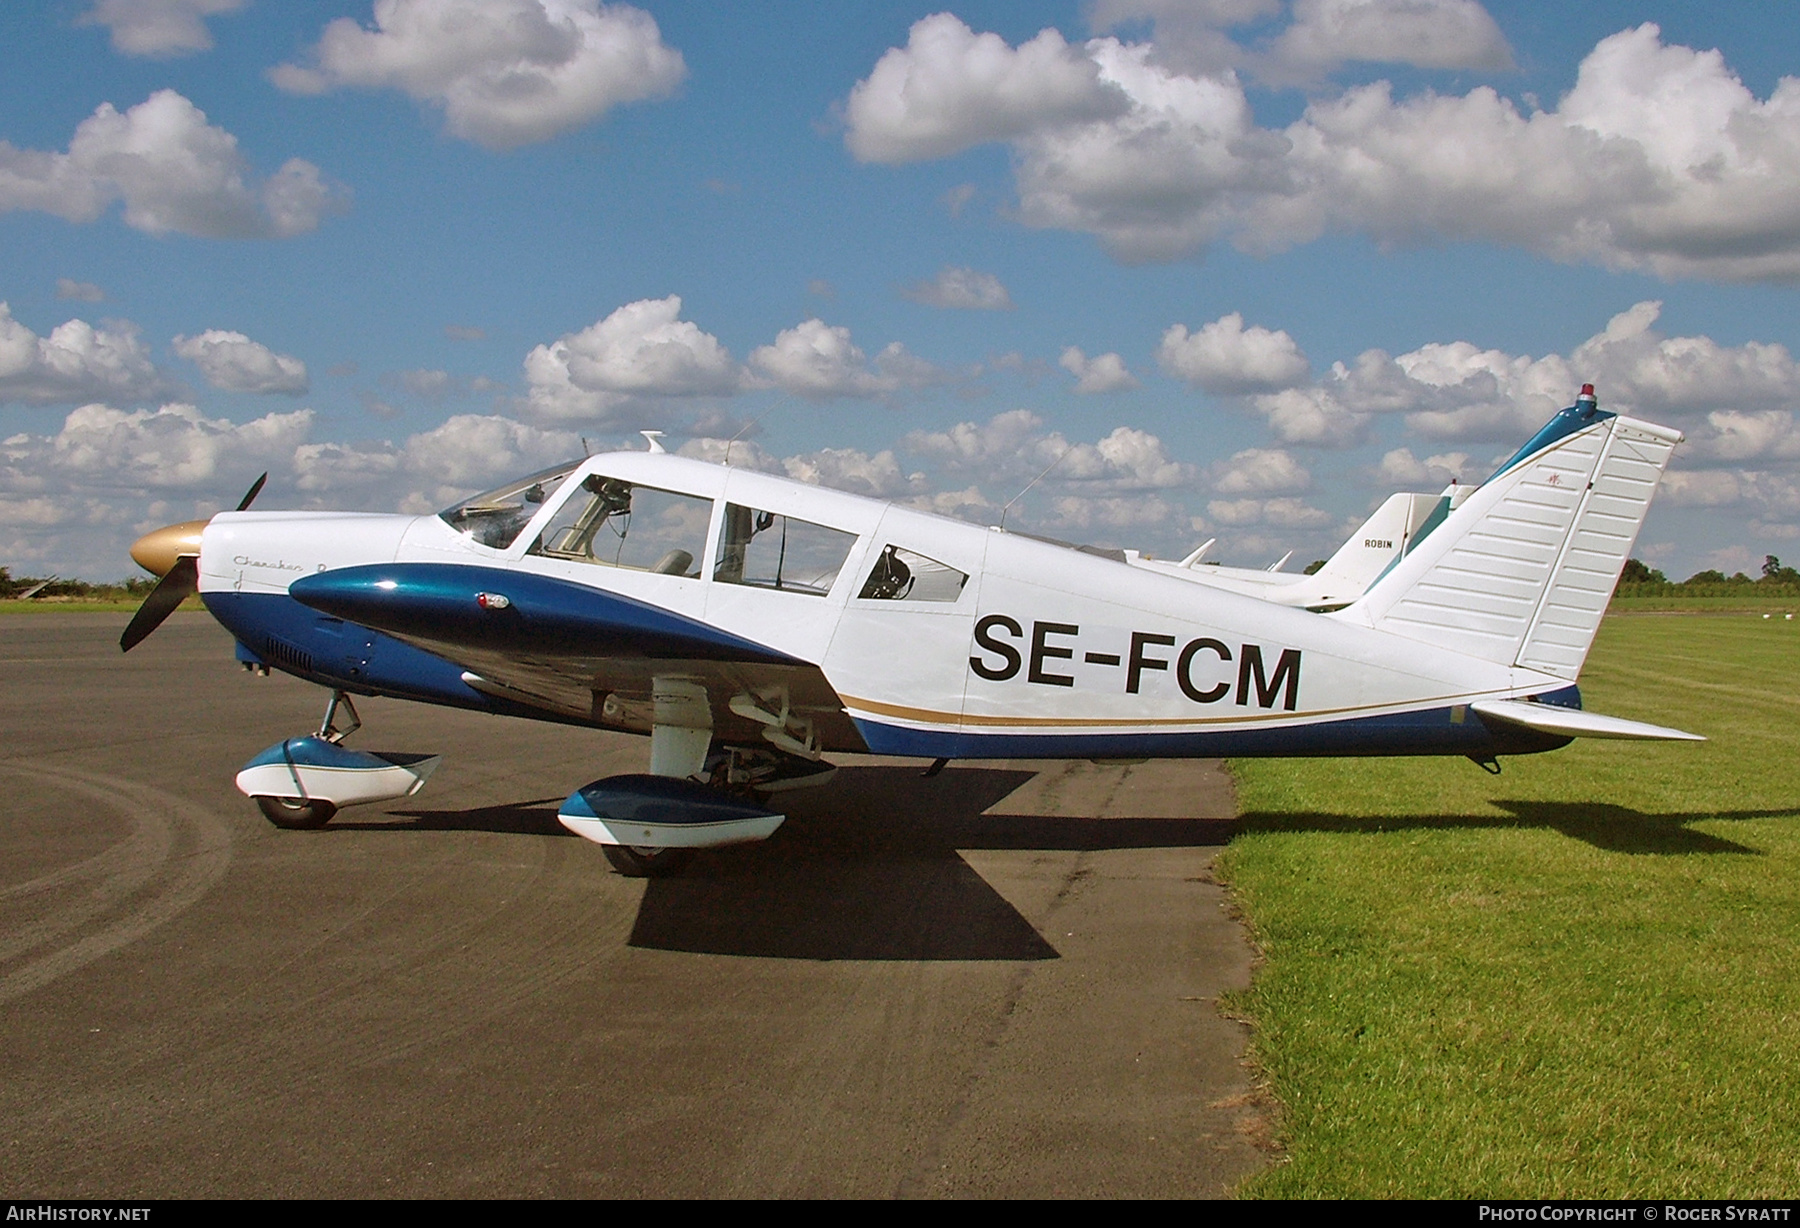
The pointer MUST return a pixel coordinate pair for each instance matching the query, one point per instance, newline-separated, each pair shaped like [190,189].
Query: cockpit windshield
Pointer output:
[496,517]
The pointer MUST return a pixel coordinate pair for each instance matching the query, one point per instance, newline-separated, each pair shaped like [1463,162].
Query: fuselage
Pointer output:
[936,637]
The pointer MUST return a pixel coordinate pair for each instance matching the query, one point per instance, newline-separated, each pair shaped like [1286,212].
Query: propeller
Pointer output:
[182,582]
[172,552]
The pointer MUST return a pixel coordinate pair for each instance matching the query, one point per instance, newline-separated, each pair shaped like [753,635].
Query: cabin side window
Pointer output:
[612,521]
[768,550]
[904,575]
[495,518]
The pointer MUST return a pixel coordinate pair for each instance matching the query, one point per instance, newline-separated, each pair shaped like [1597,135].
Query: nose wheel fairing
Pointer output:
[312,768]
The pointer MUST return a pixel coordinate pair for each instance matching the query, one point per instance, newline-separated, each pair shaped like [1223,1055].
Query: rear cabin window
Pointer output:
[900,574]
[768,550]
[611,521]
[496,517]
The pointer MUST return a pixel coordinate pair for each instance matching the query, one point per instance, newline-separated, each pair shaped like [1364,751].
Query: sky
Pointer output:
[1230,269]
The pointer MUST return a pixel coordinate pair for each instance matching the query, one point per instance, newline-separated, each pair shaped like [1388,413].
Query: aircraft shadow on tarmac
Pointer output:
[1615,829]
[865,868]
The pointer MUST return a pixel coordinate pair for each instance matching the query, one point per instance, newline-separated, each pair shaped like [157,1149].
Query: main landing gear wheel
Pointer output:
[297,813]
[634,862]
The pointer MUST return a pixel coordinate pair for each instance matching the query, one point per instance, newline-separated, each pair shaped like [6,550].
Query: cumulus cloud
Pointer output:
[643,349]
[1457,390]
[1227,359]
[819,360]
[877,475]
[1705,488]
[1260,471]
[75,362]
[1423,33]
[1015,445]
[81,291]
[71,501]
[1656,373]
[950,89]
[1313,416]
[172,170]
[1080,513]
[431,469]
[100,448]
[816,359]
[960,287]
[1659,159]
[1190,35]
[158,28]
[234,363]
[430,383]
[1282,513]
[1733,435]
[1400,468]
[1766,502]
[505,73]
[1102,373]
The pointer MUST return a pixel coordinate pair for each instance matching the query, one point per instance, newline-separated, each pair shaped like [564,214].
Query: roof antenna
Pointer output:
[780,404]
[1034,481]
[735,438]
[651,438]
[587,449]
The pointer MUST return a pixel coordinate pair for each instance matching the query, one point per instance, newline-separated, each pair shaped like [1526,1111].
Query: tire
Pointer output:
[297,813]
[635,862]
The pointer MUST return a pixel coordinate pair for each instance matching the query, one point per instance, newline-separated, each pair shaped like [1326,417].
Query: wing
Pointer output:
[580,652]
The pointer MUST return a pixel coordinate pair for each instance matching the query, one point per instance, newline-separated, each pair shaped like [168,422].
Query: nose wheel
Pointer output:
[296,813]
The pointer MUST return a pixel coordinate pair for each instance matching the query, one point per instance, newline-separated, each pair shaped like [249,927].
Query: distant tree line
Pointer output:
[122,590]
[1640,580]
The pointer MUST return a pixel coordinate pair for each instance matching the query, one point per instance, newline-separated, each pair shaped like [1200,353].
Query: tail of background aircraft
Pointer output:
[1521,572]
[1379,543]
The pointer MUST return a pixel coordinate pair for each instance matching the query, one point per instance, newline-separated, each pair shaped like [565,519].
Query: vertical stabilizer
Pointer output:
[1378,543]
[1522,571]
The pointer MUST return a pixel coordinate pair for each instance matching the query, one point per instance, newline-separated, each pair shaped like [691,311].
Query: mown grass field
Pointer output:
[1580,978]
[1775,607]
[83,605]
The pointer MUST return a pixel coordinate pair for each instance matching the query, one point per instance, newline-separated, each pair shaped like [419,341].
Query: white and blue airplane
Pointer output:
[752,625]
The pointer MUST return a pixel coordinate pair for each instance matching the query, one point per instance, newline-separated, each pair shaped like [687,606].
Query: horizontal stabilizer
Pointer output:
[1574,723]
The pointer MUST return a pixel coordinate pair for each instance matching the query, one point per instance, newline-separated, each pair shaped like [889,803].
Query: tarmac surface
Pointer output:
[1000,981]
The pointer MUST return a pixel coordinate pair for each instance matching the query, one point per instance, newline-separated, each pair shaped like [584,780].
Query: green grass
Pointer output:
[1751,602]
[1581,978]
[82,605]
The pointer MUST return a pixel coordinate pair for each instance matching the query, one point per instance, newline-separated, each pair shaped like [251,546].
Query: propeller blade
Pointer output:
[250,495]
[181,583]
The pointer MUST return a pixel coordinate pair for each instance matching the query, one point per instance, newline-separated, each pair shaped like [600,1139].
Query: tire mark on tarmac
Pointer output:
[931,1162]
[259,1049]
[145,861]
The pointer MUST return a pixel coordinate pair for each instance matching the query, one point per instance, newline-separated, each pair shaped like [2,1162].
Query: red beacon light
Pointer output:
[1587,393]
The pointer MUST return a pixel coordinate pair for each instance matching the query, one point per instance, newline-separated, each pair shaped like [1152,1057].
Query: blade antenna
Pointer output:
[1034,481]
